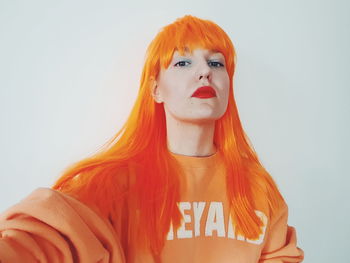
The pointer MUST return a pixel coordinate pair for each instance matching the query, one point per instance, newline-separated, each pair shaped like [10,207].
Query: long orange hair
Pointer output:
[142,141]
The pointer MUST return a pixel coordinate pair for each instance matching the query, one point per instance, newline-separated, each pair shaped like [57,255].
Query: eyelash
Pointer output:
[217,63]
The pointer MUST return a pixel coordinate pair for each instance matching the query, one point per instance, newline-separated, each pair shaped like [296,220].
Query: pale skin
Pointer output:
[190,121]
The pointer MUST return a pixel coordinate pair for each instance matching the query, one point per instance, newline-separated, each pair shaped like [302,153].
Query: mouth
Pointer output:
[204,92]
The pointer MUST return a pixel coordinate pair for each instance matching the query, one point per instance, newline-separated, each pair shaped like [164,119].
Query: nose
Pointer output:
[204,72]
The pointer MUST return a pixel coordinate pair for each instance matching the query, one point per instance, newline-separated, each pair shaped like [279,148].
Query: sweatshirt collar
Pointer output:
[197,161]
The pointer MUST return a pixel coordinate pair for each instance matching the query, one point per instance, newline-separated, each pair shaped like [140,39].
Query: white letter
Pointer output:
[182,232]
[198,208]
[215,220]
[263,217]
[230,233]
[231,230]
[170,235]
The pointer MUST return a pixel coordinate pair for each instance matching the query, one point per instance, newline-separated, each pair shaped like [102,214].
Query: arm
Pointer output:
[49,226]
[280,245]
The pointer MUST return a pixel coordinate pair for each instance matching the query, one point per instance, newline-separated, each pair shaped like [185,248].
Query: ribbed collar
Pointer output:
[196,161]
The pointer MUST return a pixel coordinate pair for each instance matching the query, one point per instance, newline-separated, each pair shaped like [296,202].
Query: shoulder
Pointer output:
[102,188]
[100,179]
[280,213]
[264,191]
[43,202]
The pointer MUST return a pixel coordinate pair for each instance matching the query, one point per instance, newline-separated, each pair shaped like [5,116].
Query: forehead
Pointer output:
[199,51]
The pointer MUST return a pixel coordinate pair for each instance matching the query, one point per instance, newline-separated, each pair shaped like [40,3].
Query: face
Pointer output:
[177,84]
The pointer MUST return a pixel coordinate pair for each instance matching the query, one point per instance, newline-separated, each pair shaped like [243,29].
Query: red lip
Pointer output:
[204,92]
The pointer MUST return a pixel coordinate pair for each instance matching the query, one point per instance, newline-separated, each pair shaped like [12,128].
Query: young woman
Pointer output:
[179,182]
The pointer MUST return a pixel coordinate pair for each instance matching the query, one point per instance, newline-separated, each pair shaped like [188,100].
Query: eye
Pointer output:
[215,64]
[181,63]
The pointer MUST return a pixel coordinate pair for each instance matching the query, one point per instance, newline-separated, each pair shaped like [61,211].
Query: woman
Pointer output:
[178,183]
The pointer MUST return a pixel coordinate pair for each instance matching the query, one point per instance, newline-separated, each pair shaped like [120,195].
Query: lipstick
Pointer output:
[204,92]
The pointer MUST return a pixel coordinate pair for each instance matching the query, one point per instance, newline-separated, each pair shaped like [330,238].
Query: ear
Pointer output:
[155,92]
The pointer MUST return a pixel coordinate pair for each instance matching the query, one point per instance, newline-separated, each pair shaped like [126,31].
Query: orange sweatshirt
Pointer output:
[49,226]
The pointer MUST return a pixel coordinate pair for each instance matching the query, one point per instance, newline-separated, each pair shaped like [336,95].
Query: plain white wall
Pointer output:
[69,75]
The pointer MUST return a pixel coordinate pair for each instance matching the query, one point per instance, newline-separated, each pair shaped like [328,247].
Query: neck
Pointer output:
[190,138]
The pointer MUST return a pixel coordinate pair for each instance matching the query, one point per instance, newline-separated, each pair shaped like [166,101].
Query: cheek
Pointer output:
[224,83]
[226,79]
[173,87]
[168,91]
[165,86]
[227,85]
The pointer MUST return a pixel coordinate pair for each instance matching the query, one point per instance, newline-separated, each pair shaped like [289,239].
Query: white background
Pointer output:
[70,70]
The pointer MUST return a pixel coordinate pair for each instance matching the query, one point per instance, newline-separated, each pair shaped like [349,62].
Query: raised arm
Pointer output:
[49,226]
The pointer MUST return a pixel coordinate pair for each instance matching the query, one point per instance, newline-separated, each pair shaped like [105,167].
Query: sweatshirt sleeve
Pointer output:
[49,226]
[281,242]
